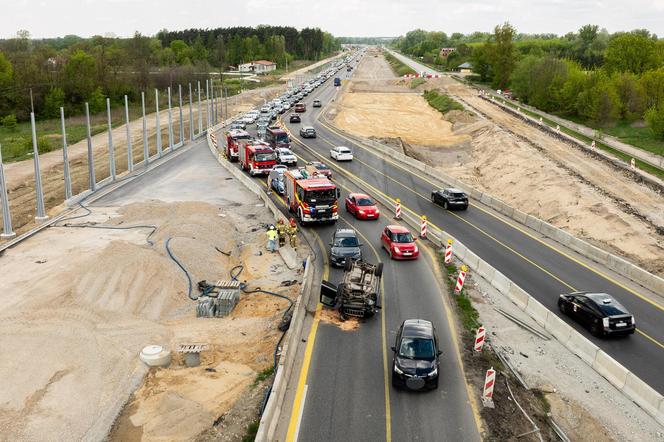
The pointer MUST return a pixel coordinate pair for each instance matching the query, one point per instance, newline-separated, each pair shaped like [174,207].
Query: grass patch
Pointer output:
[468,315]
[441,102]
[260,377]
[252,430]
[399,68]
[416,82]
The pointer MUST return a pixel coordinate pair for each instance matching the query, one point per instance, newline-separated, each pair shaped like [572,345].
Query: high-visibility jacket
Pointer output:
[271,234]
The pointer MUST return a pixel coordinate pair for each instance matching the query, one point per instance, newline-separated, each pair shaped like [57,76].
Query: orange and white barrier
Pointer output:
[557,128]
[423,226]
[460,279]
[448,252]
[540,120]
[397,210]
[632,164]
[487,393]
[213,137]
[592,145]
[479,339]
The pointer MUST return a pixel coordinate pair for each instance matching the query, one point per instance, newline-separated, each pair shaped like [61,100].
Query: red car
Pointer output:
[362,206]
[399,243]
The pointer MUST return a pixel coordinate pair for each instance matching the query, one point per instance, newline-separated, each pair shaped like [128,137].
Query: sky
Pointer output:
[370,18]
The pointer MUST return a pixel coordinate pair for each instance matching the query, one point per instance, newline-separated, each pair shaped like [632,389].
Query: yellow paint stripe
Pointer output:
[514,226]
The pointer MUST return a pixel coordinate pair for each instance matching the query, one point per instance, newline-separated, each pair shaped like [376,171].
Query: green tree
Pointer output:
[502,55]
[9,122]
[631,93]
[655,118]
[79,73]
[97,101]
[652,83]
[631,53]
[482,62]
[599,102]
[55,99]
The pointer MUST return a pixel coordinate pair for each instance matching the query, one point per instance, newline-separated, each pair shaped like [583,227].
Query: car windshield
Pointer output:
[285,152]
[265,156]
[343,150]
[310,130]
[417,348]
[281,138]
[345,241]
[402,237]
[312,196]
[608,306]
[364,202]
[241,137]
[457,195]
[322,167]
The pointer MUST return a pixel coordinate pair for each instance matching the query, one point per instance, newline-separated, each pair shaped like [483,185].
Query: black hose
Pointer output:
[168,249]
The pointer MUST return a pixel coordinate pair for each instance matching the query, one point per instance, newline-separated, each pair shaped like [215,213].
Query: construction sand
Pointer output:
[78,305]
[545,178]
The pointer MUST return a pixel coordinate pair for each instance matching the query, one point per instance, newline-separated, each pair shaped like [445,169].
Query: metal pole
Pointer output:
[181,122]
[226,93]
[92,183]
[214,110]
[200,114]
[191,115]
[170,122]
[6,217]
[146,150]
[207,103]
[130,154]
[65,156]
[39,194]
[111,149]
[156,97]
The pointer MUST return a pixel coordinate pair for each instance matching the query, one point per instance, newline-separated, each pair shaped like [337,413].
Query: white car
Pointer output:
[286,156]
[341,153]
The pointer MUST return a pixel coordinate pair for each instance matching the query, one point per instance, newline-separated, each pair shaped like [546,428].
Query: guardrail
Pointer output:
[272,412]
[620,377]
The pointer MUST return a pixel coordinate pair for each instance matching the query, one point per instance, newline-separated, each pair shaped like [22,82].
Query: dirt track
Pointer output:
[543,177]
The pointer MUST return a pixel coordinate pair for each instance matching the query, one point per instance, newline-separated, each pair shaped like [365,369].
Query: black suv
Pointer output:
[295,118]
[416,356]
[308,132]
[344,246]
[599,312]
[450,198]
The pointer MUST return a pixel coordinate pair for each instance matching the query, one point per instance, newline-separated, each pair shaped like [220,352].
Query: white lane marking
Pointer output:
[299,418]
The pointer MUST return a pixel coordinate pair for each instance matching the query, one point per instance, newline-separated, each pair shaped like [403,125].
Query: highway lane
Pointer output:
[541,270]
[347,384]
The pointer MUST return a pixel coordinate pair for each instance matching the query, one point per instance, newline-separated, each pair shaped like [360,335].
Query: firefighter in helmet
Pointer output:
[272,238]
[292,233]
[281,230]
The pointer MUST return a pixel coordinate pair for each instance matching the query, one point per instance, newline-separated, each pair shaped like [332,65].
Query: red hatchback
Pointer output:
[362,206]
[399,243]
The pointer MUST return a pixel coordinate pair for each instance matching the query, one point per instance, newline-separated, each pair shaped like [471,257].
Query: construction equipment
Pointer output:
[217,300]
[357,295]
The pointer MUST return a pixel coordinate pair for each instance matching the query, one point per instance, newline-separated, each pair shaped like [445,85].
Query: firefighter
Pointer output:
[281,230]
[292,233]
[272,238]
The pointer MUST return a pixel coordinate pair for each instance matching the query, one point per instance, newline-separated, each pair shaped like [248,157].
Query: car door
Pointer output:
[583,310]
[385,238]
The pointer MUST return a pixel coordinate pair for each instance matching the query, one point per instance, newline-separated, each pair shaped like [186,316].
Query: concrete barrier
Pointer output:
[485,270]
[537,311]
[610,369]
[501,282]
[518,296]
[582,347]
[650,400]
[559,329]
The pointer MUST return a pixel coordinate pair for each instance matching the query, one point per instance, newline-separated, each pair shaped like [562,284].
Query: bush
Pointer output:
[97,101]
[441,102]
[10,122]
[655,119]
[54,100]
[43,145]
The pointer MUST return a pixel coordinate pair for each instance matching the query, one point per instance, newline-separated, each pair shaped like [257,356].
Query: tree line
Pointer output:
[591,75]
[69,71]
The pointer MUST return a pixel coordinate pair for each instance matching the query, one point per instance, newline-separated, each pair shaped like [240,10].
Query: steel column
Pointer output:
[7,232]
[200,114]
[146,149]
[191,115]
[39,194]
[65,156]
[130,153]
[181,122]
[156,97]
[92,182]
[207,103]
[111,149]
[170,122]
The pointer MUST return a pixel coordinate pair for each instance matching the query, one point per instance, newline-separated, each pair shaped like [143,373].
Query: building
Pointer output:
[258,66]
[465,68]
[444,52]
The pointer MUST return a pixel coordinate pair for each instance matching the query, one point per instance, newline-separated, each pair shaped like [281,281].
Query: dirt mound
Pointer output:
[330,316]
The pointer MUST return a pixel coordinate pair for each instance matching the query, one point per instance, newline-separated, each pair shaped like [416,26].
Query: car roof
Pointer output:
[417,328]
[453,190]
[604,299]
[360,195]
[345,233]
[342,147]
[398,229]
[307,127]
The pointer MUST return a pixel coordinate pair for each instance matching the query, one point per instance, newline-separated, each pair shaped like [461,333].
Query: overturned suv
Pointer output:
[358,293]
[416,356]
[599,312]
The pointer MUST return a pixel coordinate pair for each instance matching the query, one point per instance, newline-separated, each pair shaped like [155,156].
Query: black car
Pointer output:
[295,118]
[344,246]
[416,356]
[308,132]
[450,198]
[599,312]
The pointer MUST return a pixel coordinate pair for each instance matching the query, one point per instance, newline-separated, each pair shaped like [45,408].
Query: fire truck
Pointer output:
[276,137]
[312,197]
[233,136]
[256,157]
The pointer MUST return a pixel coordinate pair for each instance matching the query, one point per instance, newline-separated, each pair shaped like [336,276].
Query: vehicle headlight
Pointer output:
[361,212]
[434,372]
[633,321]
[396,249]
[377,211]
[416,249]
[605,322]
[397,369]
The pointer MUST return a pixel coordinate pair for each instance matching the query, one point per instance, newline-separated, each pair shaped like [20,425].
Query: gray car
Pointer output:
[344,245]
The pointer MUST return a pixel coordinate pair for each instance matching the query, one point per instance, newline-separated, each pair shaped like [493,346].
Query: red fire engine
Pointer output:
[256,156]
[311,197]
[232,138]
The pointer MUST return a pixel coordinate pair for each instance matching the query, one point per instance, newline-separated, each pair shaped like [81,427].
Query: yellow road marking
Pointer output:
[516,227]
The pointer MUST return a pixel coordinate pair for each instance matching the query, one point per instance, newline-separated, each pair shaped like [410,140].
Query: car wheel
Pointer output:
[395,383]
[445,205]
[390,253]
[435,384]
[562,307]
[596,330]
[433,198]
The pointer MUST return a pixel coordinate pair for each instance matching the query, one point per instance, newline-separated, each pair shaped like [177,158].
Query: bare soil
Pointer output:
[501,155]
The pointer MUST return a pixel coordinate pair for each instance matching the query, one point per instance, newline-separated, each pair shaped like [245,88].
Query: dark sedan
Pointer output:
[416,356]
[295,118]
[450,198]
[599,312]
[344,246]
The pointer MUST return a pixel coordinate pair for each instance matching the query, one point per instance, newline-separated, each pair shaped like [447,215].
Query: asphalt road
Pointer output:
[348,388]
[540,269]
